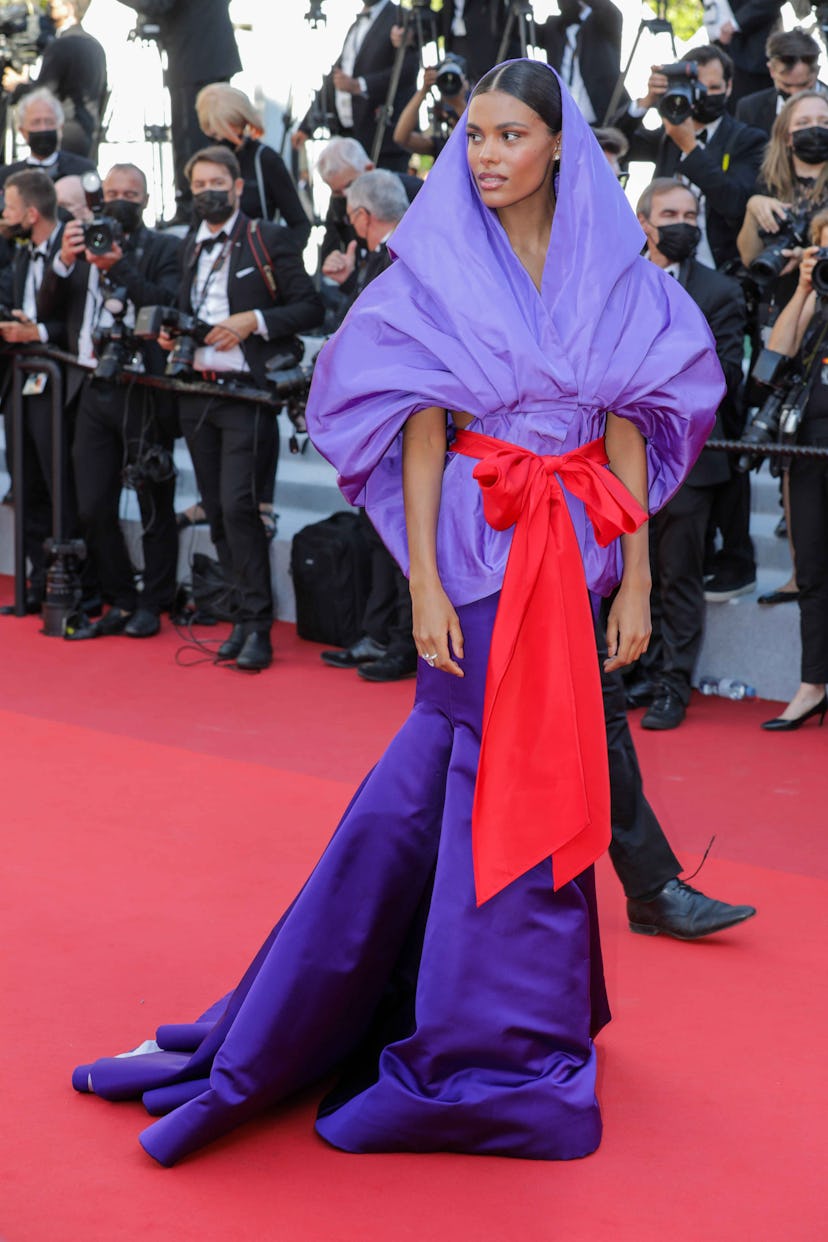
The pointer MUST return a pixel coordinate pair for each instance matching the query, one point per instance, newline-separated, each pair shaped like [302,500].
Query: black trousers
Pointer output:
[731,516]
[38,487]
[228,440]
[114,426]
[677,536]
[809,531]
[639,850]
[387,616]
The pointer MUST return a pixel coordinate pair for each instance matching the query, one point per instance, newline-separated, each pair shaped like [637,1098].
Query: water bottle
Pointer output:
[726,688]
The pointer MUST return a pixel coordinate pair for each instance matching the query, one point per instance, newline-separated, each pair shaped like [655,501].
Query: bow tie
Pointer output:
[36,254]
[701,136]
[210,242]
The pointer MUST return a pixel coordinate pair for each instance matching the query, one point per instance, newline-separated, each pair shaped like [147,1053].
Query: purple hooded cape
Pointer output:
[457,322]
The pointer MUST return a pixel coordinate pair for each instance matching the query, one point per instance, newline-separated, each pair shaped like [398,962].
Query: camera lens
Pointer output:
[98,238]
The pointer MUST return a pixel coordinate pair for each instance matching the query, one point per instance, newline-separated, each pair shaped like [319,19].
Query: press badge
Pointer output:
[35,384]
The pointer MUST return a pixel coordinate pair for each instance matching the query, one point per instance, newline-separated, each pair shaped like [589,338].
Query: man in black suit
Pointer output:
[40,119]
[246,279]
[117,427]
[474,29]
[745,41]
[584,44]
[793,64]
[74,70]
[353,94]
[668,213]
[198,38]
[710,150]
[30,218]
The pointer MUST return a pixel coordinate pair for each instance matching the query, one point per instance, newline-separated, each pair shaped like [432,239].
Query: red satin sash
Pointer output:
[542,784]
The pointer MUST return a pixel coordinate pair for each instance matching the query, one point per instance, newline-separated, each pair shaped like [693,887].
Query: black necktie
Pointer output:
[209,242]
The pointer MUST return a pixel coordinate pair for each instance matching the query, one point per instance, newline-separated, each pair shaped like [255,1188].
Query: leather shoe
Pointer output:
[639,692]
[33,604]
[779,597]
[683,912]
[112,622]
[666,710]
[232,645]
[142,624]
[363,651]
[390,668]
[257,652]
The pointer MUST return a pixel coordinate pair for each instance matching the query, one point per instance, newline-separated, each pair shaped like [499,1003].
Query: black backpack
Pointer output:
[331,567]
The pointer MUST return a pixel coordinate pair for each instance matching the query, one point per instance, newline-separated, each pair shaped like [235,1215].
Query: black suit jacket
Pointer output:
[759,109]
[198,38]
[757,19]
[724,171]
[148,271]
[598,47]
[73,69]
[13,285]
[67,164]
[485,22]
[279,191]
[722,303]
[297,308]
[374,62]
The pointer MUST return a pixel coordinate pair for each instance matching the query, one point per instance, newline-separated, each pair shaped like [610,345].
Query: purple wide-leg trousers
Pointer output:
[452,1027]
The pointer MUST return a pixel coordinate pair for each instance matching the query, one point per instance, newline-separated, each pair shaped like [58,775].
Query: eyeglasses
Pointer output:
[349,216]
[790,62]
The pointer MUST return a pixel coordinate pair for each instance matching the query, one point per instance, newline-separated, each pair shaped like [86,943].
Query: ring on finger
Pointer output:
[430,660]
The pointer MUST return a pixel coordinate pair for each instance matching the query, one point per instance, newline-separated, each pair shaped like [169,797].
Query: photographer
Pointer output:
[802,329]
[668,214]
[245,282]
[583,42]
[40,124]
[793,63]
[745,39]
[74,70]
[709,149]
[122,433]
[30,219]
[449,89]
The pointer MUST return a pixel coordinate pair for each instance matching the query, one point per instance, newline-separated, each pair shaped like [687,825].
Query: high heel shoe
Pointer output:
[780,725]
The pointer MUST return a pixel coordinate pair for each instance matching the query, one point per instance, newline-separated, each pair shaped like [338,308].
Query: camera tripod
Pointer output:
[660,24]
[521,20]
[419,24]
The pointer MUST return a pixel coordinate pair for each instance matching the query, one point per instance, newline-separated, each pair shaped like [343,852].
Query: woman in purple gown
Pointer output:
[443,956]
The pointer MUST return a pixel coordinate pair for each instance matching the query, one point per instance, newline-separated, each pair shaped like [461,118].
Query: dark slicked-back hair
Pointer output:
[37,190]
[533,83]
[706,54]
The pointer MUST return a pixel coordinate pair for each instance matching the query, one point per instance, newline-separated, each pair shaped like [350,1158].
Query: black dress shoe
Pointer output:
[779,597]
[665,712]
[232,645]
[683,912]
[142,624]
[32,604]
[389,668]
[780,725]
[363,651]
[257,652]
[640,692]
[112,622]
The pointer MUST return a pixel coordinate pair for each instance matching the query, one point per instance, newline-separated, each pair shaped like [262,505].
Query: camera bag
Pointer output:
[331,568]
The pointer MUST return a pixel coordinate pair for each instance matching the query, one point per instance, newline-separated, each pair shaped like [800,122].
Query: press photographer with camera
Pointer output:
[30,220]
[106,269]
[583,42]
[40,118]
[801,333]
[699,141]
[74,70]
[447,86]
[243,283]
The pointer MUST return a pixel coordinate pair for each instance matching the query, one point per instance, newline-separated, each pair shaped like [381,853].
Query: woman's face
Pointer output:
[808,112]
[511,150]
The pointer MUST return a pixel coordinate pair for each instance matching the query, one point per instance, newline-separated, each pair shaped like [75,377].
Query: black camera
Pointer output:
[684,90]
[777,419]
[449,80]
[19,33]
[188,331]
[290,380]
[819,276]
[115,345]
[767,266]
[154,466]
[102,232]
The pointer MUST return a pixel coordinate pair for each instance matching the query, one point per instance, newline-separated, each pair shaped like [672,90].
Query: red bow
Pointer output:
[542,783]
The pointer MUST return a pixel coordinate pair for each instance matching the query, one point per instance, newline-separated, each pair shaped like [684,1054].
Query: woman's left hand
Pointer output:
[629,626]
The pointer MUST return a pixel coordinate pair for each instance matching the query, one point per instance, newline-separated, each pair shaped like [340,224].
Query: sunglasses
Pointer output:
[788,62]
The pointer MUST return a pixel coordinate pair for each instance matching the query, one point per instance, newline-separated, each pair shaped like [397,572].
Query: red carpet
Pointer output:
[157,819]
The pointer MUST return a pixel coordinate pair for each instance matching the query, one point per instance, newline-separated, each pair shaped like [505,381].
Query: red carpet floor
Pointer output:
[157,819]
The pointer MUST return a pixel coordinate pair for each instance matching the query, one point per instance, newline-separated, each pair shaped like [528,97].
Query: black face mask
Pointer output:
[678,241]
[214,206]
[811,145]
[710,108]
[43,143]
[128,214]
[16,232]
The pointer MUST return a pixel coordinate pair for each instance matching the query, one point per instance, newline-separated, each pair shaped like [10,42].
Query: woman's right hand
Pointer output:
[767,212]
[435,622]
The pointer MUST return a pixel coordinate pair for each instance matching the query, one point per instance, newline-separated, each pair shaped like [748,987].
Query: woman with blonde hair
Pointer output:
[227,117]
[793,179]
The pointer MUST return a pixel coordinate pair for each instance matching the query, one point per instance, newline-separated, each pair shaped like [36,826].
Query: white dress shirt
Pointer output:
[210,300]
[571,68]
[354,40]
[34,278]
